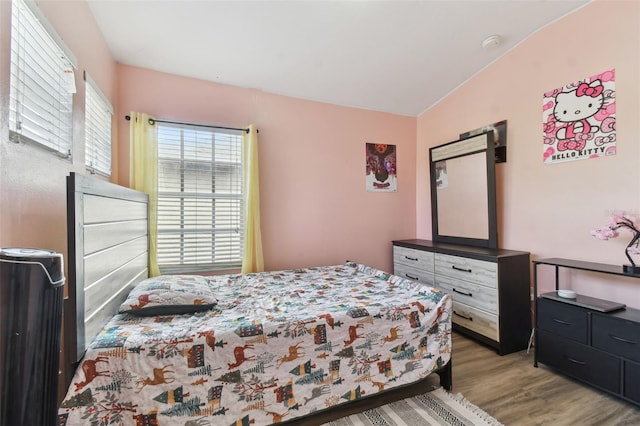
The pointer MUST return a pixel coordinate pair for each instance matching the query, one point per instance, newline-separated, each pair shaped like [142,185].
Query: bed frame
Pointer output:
[107,255]
[107,230]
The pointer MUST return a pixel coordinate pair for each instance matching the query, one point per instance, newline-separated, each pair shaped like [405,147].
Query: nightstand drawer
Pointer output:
[474,319]
[579,361]
[632,381]
[562,319]
[616,336]
[425,277]
[477,271]
[419,259]
[474,295]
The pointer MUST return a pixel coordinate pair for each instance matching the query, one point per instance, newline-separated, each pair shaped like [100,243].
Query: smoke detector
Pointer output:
[491,42]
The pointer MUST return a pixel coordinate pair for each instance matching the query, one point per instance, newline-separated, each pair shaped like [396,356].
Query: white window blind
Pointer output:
[200,203]
[98,114]
[41,83]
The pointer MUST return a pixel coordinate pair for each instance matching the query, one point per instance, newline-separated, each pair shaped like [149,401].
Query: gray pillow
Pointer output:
[170,295]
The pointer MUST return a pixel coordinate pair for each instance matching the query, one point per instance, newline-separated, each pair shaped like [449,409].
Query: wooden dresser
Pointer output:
[490,287]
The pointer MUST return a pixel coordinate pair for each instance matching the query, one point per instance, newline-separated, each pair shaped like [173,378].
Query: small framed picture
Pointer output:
[381,173]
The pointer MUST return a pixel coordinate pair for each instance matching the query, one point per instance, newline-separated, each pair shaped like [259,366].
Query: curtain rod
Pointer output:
[152,121]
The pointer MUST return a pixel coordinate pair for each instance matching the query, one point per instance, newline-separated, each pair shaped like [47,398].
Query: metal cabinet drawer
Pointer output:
[562,319]
[474,319]
[579,361]
[418,259]
[617,336]
[631,381]
[471,294]
[477,271]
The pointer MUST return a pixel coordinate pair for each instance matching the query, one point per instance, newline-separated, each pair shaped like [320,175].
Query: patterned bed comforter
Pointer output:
[278,345]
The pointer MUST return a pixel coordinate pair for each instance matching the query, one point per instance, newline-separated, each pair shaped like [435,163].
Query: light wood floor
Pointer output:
[516,393]
[513,391]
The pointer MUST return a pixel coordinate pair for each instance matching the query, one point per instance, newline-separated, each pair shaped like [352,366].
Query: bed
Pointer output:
[236,349]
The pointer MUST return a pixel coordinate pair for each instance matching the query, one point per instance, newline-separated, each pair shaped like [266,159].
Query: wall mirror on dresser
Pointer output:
[463,192]
[490,287]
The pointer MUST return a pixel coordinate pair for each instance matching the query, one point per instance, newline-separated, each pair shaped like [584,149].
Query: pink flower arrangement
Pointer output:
[621,220]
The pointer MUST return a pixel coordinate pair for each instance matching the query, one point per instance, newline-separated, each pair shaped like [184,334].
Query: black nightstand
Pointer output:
[592,340]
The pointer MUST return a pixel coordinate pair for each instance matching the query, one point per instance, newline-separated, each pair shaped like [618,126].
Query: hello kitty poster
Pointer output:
[579,120]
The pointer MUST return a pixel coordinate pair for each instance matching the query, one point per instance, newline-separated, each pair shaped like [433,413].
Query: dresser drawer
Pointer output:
[562,319]
[632,381]
[413,258]
[477,271]
[474,295]
[579,361]
[617,336]
[474,319]
[425,277]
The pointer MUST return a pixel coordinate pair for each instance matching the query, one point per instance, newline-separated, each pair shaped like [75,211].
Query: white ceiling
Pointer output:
[394,56]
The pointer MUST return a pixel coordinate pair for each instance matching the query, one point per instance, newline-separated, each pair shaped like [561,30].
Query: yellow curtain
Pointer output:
[143,175]
[252,260]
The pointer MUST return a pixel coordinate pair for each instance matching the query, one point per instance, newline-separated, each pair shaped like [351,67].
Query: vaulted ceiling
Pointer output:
[394,56]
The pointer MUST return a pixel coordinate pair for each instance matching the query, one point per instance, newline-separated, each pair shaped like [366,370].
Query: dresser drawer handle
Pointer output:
[463,293]
[411,258]
[575,361]
[413,278]
[620,339]
[460,269]
[562,322]
[462,316]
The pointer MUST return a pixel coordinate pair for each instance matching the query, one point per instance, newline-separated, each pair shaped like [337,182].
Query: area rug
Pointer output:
[437,407]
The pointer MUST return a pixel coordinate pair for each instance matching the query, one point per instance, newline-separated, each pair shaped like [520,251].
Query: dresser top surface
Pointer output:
[457,249]
[598,306]
[587,302]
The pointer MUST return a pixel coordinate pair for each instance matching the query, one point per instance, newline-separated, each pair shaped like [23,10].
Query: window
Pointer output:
[200,203]
[42,82]
[98,113]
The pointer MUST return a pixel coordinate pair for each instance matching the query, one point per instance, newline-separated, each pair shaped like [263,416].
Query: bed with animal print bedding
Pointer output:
[269,347]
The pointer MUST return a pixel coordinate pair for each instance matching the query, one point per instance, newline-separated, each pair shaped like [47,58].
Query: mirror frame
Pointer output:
[482,142]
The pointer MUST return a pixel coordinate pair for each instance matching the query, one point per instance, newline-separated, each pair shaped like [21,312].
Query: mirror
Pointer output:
[463,192]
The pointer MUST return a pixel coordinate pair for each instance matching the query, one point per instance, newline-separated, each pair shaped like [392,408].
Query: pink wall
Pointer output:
[549,210]
[314,207]
[32,182]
